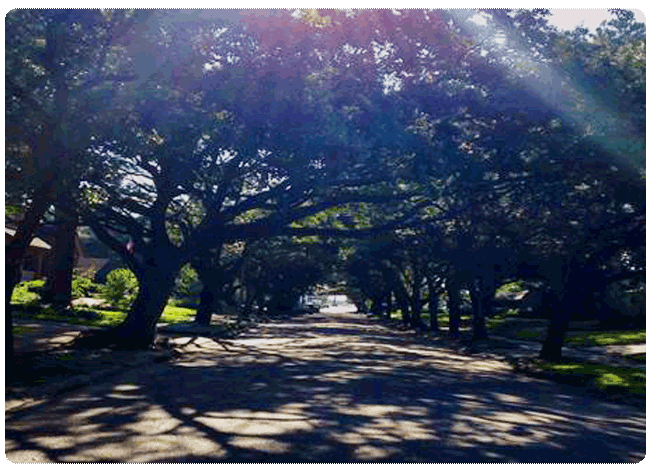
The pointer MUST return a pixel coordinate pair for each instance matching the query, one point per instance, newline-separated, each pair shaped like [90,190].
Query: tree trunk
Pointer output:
[434,301]
[206,304]
[211,293]
[552,347]
[560,294]
[13,275]
[389,304]
[480,305]
[453,304]
[138,330]
[14,255]
[416,302]
[156,282]
[59,278]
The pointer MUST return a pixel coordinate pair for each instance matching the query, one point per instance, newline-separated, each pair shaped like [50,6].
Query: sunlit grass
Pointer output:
[177,314]
[98,317]
[606,338]
[602,377]
[22,295]
[516,286]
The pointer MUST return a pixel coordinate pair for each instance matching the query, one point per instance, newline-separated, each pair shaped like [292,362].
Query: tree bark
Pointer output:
[138,330]
[156,279]
[416,302]
[211,293]
[14,255]
[389,304]
[559,295]
[59,278]
[454,301]
[434,301]
[206,305]
[480,307]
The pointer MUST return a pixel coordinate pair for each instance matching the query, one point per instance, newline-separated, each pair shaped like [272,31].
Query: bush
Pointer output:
[83,287]
[121,288]
[27,293]
[187,282]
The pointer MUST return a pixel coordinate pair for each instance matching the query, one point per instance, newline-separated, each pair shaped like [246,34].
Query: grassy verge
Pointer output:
[103,318]
[606,338]
[603,378]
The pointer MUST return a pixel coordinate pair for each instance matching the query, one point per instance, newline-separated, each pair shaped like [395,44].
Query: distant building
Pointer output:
[34,265]
[89,255]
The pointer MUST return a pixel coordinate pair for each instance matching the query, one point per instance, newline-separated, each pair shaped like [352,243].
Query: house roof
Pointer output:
[36,242]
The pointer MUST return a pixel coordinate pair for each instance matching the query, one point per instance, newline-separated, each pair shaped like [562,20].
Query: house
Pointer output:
[38,259]
[34,265]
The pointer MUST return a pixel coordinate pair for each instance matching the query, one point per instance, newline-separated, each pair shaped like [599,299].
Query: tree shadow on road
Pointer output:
[351,393]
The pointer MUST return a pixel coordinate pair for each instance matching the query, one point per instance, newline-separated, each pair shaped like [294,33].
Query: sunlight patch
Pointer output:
[262,444]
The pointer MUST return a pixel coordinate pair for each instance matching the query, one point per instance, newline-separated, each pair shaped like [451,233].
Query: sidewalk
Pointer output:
[503,347]
[517,348]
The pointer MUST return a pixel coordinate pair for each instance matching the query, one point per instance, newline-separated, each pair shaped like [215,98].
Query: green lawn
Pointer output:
[606,338]
[603,377]
[98,317]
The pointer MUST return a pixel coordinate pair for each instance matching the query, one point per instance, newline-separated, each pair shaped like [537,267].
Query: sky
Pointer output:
[569,18]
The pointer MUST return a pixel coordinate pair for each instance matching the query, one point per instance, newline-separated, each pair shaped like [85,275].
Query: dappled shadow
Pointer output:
[325,388]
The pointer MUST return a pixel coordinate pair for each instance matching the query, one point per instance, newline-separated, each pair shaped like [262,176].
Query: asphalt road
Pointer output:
[327,387]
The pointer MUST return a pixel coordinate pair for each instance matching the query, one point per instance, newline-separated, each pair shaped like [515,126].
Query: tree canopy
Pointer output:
[458,152]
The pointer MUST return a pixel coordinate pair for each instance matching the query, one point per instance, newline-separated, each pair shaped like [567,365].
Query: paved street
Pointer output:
[327,387]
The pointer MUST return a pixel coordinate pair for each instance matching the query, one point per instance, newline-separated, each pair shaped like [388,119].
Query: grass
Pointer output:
[443,319]
[606,338]
[516,286]
[177,314]
[20,330]
[605,378]
[105,318]
[23,296]
[528,334]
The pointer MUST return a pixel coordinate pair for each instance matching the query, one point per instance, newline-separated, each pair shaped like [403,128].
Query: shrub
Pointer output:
[27,293]
[83,287]
[187,282]
[121,288]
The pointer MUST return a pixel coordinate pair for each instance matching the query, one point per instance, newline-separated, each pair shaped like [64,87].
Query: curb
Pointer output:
[75,382]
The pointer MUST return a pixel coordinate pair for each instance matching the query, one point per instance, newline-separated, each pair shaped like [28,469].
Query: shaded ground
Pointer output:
[327,387]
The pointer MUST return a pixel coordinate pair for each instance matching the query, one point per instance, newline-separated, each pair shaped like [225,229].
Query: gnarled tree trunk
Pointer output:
[138,330]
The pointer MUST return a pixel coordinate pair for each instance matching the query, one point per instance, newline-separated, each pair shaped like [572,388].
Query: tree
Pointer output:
[278,271]
[56,60]
[231,120]
[510,170]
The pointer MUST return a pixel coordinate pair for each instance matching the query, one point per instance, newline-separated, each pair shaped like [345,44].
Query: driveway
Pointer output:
[327,387]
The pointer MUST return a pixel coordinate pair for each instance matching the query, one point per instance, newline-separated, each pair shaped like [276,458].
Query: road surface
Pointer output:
[326,387]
